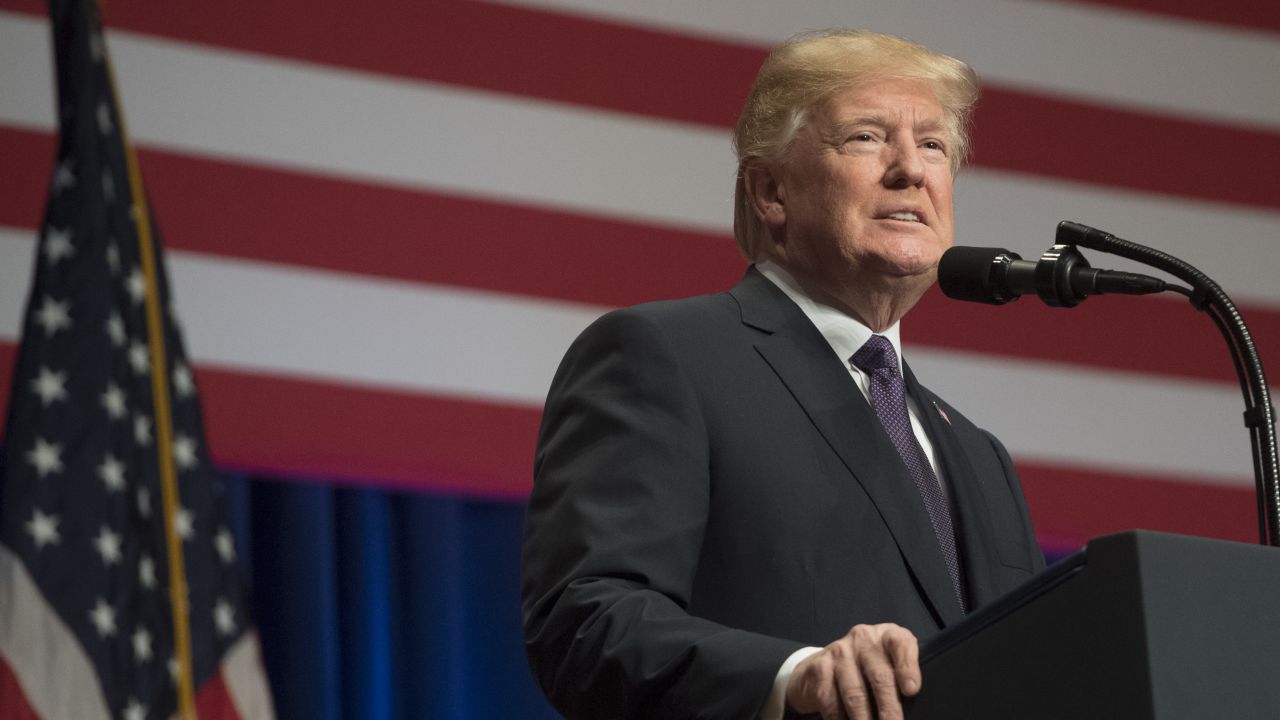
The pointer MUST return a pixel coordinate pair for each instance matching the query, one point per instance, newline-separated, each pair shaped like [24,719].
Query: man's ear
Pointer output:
[765,193]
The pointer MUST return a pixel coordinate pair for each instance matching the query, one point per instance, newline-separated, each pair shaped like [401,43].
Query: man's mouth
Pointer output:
[905,216]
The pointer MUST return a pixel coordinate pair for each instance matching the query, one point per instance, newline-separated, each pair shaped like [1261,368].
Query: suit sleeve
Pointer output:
[612,542]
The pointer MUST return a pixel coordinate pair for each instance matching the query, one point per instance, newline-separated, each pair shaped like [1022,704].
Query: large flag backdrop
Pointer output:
[387,220]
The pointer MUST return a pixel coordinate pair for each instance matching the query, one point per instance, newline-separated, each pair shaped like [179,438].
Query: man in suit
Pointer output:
[744,503]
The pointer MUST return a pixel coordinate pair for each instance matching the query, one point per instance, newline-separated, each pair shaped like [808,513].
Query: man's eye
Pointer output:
[933,145]
[862,137]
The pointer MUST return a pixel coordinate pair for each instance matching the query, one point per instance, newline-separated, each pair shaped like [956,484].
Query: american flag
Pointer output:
[93,590]
[389,218]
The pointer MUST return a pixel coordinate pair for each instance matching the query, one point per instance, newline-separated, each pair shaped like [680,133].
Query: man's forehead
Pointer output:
[891,102]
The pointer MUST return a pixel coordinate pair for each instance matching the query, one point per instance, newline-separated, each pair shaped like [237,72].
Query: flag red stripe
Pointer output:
[311,221]
[300,428]
[1070,506]
[701,80]
[213,701]
[353,227]
[313,429]
[1142,335]
[13,700]
[31,7]
[24,182]
[1109,146]
[1247,14]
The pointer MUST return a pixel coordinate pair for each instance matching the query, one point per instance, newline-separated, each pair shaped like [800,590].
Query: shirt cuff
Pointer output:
[776,704]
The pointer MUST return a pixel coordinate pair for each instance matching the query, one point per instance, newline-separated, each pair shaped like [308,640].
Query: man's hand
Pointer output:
[860,676]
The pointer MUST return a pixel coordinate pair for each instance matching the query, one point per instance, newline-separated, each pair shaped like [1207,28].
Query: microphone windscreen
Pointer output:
[976,274]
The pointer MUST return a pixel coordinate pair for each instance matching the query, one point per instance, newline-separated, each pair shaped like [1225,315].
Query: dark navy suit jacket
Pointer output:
[712,492]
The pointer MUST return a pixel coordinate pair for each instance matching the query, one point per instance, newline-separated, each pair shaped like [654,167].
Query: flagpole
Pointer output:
[164,419]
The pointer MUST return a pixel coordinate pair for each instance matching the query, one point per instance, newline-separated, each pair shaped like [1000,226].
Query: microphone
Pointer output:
[1061,277]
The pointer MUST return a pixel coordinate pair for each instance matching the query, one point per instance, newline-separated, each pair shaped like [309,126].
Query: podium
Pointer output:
[1136,626]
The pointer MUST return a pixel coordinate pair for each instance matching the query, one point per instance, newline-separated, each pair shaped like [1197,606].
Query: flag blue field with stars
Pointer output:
[89,615]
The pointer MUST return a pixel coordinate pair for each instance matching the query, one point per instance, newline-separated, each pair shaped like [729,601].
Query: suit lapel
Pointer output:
[973,522]
[803,361]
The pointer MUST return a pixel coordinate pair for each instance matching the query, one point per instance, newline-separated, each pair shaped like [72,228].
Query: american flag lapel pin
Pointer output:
[941,412]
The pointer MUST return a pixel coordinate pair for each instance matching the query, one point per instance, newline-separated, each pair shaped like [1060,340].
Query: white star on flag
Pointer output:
[184,452]
[224,617]
[108,186]
[144,503]
[225,545]
[184,523]
[54,315]
[115,328]
[136,285]
[104,118]
[104,618]
[108,546]
[142,430]
[49,385]
[113,257]
[183,384]
[139,358]
[112,473]
[147,572]
[63,178]
[142,645]
[135,710]
[57,245]
[46,456]
[114,401]
[43,529]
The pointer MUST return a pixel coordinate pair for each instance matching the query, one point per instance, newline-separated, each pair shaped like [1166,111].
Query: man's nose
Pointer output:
[905,168]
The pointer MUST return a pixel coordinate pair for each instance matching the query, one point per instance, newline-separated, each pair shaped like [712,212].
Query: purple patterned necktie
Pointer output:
[889,400]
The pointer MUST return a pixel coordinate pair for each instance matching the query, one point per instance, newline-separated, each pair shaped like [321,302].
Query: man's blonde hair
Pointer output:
[808,69]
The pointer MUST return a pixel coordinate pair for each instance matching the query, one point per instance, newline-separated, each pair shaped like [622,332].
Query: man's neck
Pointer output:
[877,303]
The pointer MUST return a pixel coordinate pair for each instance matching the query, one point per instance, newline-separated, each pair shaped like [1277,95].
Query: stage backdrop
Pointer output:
[387,220]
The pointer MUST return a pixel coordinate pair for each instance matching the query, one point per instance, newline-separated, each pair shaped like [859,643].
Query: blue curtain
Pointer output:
[379,604]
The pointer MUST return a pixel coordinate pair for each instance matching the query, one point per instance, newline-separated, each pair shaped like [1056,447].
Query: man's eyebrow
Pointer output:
[847,124]
[838,130]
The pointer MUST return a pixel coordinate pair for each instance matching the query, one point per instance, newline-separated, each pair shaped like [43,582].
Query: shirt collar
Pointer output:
[844,334]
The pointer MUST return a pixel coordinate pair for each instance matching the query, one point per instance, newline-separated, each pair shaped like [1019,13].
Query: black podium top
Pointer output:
[1139,625]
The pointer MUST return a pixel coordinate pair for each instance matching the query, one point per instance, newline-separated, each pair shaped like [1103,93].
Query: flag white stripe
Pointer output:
[437,138]
[26,75]
[1235,246]
[408,337]
[57,678]
[367,331]
[1115,57]
[246,680]
[1108,421]
[17,252]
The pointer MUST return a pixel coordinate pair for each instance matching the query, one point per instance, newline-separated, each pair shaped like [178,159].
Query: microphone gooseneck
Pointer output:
[1063,278]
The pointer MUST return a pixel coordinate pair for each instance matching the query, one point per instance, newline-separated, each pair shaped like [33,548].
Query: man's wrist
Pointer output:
[775,706]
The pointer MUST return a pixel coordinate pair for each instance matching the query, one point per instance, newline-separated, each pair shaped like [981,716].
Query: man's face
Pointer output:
[865,192]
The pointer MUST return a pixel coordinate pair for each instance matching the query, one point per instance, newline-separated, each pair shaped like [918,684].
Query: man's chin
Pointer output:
[924,268]
[910,256]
